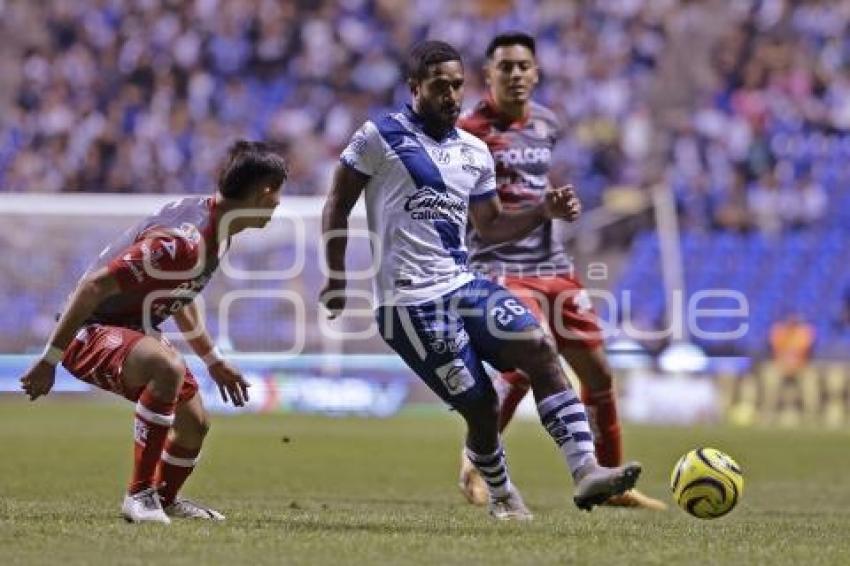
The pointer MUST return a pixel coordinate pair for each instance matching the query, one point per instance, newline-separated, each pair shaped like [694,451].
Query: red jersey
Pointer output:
[160,264]
[522,151]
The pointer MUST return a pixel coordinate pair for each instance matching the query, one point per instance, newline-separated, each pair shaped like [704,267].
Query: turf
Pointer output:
[314,490]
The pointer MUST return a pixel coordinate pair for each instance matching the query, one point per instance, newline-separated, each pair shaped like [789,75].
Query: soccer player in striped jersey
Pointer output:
[520,134]
[423,179]
[108,334]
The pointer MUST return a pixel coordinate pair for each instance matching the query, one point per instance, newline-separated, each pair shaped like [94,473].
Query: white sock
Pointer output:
[494,470]
[564,417]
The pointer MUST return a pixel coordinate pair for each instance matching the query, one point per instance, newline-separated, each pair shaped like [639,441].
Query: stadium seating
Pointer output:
[805,273]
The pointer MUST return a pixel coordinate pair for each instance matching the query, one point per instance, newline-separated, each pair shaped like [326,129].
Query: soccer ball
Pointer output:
[707,483]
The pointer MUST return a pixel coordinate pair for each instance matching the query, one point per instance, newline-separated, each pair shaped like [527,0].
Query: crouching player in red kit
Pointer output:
[108,334]
[521,134]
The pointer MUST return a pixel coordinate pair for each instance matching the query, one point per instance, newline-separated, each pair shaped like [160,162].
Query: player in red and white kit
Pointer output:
[521,134]
[108,334]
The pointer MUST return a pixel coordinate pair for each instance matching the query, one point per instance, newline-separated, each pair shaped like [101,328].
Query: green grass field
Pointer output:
[315,490]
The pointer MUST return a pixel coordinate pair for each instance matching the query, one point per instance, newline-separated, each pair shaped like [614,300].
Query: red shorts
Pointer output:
[561,303]
[97,356]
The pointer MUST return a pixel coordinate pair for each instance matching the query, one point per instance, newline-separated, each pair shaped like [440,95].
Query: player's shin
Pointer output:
[601,406]
[174,469]
[153,420]
[511,388]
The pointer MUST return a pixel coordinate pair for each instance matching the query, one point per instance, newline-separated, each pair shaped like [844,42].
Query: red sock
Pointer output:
[174,469]
[515,387]
[601,409]
[154,418]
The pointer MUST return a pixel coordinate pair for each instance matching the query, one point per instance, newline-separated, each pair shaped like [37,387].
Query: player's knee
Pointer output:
[195,430]
[203,425]
[535,354]
[167,373]
[601,379]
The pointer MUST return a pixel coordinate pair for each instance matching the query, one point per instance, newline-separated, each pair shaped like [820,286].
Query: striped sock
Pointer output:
[175,467]
[494,470]
[562,414]
[154,418]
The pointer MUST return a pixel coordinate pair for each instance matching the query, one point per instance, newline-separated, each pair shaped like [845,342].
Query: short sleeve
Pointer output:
[148,261]
[485,186]
[365,150]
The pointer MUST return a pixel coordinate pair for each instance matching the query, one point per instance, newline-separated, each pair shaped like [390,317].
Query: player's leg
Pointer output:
[431,339]
[511,387]
[180,455]
[599,398]
[156,373]
[579,339]
[128,363]
[511,337]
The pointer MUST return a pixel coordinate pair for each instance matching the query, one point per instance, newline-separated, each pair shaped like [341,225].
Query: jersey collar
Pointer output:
[417,121]
[503,121]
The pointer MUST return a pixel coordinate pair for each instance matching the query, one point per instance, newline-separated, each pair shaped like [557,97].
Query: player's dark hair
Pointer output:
[251,165]
[425,53]
[509,39]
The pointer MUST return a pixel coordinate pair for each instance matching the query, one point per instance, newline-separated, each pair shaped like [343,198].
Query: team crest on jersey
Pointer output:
[440,156]
[190,232]
[470,164]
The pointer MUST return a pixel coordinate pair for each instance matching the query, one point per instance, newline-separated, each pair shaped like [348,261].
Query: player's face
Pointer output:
[437,97]
[512,74]
[266,201]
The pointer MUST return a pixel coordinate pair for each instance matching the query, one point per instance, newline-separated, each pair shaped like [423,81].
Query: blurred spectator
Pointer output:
[765,202]
[842,323]
[791,343]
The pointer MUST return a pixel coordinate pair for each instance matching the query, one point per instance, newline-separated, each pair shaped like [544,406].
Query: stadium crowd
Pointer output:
[143,96]
[119,95]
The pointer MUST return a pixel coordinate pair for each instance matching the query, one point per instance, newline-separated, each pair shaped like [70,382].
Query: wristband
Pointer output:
[52,355]
[213,357]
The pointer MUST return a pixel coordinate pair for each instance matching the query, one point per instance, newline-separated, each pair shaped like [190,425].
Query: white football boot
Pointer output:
[510,507]
[188,509]
[144,507]
[597,484]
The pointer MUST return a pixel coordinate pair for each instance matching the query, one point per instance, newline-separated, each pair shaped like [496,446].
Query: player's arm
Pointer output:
[90,292]
[495,225]
[348,185]
[231,383]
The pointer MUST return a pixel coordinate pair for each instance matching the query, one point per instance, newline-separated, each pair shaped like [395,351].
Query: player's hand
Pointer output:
[38,380]
[332,296]
[563,203]
[231,383]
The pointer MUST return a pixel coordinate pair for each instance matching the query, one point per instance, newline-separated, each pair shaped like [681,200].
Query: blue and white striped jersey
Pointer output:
[417,204]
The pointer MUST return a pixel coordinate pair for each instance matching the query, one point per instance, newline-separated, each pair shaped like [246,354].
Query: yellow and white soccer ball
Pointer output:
[707,483]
